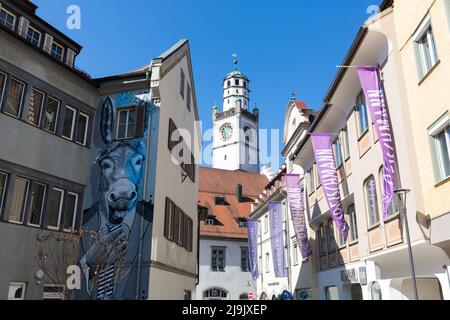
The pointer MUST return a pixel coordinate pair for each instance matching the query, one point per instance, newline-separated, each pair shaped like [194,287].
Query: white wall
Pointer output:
[233,280]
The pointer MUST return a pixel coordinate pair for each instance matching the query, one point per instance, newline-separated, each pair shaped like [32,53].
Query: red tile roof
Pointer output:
[222,183]
[300,104]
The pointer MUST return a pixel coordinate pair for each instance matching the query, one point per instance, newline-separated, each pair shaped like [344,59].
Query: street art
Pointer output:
[117,223]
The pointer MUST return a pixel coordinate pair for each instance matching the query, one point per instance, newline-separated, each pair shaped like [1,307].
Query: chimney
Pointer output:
[239,193]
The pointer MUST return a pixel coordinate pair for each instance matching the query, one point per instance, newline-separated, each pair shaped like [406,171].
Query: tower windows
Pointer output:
[236,82]
[228,83]
[245,84]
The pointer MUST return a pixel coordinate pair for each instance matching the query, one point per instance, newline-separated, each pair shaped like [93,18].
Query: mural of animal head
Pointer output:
[121,163]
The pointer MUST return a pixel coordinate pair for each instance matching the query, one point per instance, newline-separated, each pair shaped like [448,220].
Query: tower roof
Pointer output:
[236,74]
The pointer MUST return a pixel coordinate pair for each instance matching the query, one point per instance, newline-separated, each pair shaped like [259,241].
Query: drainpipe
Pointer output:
[141,231]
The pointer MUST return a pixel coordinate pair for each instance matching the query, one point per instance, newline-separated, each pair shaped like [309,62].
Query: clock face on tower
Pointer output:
[226,131]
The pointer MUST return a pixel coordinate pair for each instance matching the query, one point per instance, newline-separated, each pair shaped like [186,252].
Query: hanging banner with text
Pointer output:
[252,248]
[376,103]
[276,238]
[297,208]
[326,166]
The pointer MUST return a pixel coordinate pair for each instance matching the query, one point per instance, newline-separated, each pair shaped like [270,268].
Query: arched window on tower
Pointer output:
[245,84]
[236,82]
[228,83]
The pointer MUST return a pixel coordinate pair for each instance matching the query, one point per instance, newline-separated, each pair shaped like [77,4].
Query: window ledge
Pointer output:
[442,182]
[425,77]
[362,135]
[377,225]
[393,217]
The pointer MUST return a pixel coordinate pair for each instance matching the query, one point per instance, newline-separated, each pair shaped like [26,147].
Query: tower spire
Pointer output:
[235,60]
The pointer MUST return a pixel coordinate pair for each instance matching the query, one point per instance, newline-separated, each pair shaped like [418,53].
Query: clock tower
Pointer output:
[235,139]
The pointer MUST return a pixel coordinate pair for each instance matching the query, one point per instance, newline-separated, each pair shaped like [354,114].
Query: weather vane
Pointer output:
[293,94]
[235,60]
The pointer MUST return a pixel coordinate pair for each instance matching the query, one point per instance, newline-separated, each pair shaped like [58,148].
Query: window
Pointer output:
[242,223]
[55,207]
[188,97]
[51,114]
[70,211]
[35,107]
[317,182]
[57,51]
[346,144]
[375,291]
[337,148]
[210,222]
[244,296]
[322,240]
[182,78]
[439,134]
[267,264]
[19,200]
[215,294]
[331,293]
[53,292]
[218,259]
[244,259]
[69,122]
[228,83]
[178,227]
[7,19]
[371,201]
[17,291]
[353,225]
[425,47]
[2,86]
[187,295]
[341,240]
[33,36]
[245,84]
[363,118]
[330,236]
[294,252]
[82,128]
[266,223]
[14,97]
[236,82]
[125,125]
[394,207]
[37,203]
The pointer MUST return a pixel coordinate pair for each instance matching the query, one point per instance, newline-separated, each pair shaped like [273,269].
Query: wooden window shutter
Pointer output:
[171,144]
[70,59]
[139,129]
[181,228]
[190,234]
[176,224]
[48,41]
[23,27]
[167,219]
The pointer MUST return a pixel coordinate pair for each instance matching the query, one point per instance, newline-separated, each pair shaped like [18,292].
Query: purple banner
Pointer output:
[376,103]
[252,248]
[276,238]
[326,166]
[297,207]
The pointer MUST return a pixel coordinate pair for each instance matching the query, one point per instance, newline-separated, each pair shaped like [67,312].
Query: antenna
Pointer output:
[293,94]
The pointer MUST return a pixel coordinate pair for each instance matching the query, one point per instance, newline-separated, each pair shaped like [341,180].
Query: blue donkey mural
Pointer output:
[113,225]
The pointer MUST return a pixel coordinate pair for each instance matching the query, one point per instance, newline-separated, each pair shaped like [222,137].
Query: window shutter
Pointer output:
[185,231]
[434,159]
[420,70]
[167,219]
[176,224]
[172,128]
[48,41]
[140,121]
[188,97]
[181,228]
[70,60]
[23,27]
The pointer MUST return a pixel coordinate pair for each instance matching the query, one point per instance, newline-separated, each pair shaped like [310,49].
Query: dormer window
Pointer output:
[57,51]
[7,19]
[220,201]
[242,223]
[210,222]
[33,36]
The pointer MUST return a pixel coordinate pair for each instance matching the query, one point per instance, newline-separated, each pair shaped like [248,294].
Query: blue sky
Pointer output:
[282,44]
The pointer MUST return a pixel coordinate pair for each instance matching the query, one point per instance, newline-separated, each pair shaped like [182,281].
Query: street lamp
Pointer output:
[402,193]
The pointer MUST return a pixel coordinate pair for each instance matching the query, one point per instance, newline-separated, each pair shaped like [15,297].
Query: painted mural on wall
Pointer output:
[116,238]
